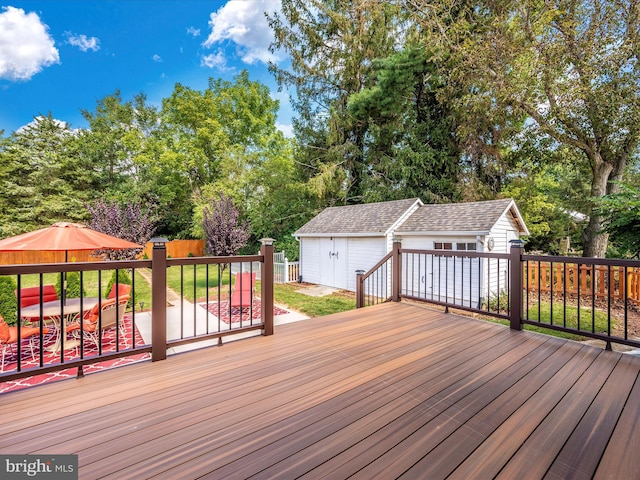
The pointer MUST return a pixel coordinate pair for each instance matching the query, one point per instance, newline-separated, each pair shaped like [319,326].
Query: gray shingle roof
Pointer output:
[366,218]
[456,217]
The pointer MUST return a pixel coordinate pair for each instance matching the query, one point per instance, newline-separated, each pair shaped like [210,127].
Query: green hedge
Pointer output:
[8,300]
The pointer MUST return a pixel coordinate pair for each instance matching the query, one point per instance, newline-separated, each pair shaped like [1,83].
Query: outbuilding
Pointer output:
[487,226]
[341,240]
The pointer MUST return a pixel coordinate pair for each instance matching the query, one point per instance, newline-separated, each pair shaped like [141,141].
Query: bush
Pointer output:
[8,300]
[73,286]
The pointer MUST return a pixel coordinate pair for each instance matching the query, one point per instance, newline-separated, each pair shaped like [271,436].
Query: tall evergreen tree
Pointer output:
[44,178]
[410,144]
[332,45]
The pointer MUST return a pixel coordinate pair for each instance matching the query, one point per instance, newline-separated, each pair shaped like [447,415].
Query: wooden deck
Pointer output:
[391,391]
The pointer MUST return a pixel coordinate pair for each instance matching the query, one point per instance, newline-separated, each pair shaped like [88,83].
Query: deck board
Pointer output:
[392,391]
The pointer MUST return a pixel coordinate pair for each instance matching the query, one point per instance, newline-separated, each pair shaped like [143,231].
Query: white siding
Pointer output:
[361,253]
[502,232]
[364,253]
[500,236]
[310,260]
[432,277]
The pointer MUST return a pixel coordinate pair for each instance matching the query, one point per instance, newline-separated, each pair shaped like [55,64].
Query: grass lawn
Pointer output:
[570,316]
[191,280]
[194,287]
[285,294]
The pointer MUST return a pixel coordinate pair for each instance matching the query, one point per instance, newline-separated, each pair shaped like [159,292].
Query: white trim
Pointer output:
[512,205]
[447,233]
[407,213]
[360,234]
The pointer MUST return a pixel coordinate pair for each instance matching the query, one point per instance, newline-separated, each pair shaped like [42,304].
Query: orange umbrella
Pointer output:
[65,236]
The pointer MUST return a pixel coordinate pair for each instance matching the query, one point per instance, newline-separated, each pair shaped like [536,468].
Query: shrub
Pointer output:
[8,300]
[73,286]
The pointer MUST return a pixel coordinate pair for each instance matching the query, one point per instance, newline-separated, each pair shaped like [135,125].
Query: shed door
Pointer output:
[333,262]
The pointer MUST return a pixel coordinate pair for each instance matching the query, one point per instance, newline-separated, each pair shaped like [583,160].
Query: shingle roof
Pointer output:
[457,217]
[354,219]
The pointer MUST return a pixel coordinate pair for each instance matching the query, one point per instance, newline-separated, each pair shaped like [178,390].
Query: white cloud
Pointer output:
[245,24]
[193,31]
[286,129]
[214,60]
[34,123]
[25,45]
[84,43]
[157,58]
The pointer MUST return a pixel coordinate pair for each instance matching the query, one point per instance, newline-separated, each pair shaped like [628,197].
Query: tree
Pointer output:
[332,45]
[117,134]
[205,129]
[133,221]
[224,234]
[568,67]
[43,177]
[621,213]
[410,138]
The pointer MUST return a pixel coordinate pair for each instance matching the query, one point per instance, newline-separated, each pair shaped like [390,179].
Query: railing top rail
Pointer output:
[456,253]
[72,266]
[214,260]
[378,265]
[618,262]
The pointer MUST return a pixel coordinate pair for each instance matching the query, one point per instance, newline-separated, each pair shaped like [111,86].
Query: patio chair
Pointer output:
[123,289]
[243,289]
[9,338]
[91,320]
[31,296]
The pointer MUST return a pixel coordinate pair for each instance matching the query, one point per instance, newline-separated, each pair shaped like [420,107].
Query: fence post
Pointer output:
[286,270]
[159,299]
[266,286]
[396,269]
[359,288]
[515,297]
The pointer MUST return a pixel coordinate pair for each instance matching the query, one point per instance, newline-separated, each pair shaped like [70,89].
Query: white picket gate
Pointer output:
[284,271]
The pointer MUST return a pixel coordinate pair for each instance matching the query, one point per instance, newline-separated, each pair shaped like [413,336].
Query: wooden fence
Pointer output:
[38,257]
[179,249]
[175,249]
[577,279]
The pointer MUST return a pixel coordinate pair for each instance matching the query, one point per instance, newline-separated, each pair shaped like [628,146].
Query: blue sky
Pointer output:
[62,56]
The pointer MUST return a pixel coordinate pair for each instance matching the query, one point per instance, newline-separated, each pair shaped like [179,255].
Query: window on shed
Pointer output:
[466,246]
[443,246]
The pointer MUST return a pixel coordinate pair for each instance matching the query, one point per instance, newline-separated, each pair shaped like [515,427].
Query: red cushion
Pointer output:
[31,295]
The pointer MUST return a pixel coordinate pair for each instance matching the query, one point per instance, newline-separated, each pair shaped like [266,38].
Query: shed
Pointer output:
[340,240]
[487,226]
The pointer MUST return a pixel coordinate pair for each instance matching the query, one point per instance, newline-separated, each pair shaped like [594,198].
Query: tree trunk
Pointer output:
[595,240]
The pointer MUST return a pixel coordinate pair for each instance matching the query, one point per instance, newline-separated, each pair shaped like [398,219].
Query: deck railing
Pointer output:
[585,297]
[574,278]
[202,311]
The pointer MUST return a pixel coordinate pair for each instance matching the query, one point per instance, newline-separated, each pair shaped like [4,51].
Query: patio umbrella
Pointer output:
[65,236]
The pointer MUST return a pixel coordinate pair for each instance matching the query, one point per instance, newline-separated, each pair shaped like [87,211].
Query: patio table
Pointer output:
[53,311]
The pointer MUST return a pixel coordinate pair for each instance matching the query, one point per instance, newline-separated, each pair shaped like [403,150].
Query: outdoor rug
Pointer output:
[236,314]
[108,345]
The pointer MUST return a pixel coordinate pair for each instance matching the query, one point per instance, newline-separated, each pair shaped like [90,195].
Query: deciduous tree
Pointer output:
[569,68]
[224,233]
[134,221]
